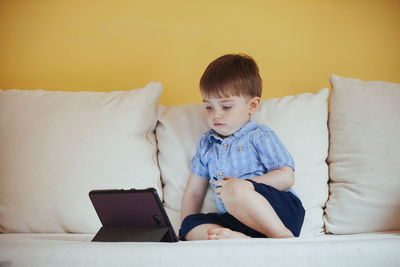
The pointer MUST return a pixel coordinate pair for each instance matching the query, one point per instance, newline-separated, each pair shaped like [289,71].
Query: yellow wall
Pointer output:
[110,45]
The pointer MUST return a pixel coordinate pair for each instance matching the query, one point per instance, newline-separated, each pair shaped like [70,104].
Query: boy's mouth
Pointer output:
[218,124]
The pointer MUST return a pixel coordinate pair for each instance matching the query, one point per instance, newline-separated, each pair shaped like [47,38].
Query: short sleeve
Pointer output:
[273,154]
[197,164]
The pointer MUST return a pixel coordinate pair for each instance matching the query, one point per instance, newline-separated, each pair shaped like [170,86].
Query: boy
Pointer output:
[250,170]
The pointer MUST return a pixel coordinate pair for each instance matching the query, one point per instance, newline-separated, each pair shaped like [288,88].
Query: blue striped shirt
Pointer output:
[251,151]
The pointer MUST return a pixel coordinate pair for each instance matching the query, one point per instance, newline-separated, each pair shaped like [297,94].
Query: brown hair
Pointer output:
[232,74]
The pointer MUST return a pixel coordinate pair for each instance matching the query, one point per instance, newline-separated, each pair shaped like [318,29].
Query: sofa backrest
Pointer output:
[57,146]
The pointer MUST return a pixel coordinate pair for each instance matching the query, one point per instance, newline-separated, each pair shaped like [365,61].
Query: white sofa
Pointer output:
[57,146]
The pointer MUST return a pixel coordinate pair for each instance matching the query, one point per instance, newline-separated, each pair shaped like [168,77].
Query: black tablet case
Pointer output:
[135,215]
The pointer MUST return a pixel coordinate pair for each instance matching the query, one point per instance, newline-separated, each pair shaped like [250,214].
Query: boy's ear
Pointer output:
[254,104]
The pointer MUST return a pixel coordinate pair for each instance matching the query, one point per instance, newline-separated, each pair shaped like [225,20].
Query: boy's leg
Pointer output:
[253,210]
[208,226]
[224,233]
[195,226]
[211,232]
[260,216]
[200,232]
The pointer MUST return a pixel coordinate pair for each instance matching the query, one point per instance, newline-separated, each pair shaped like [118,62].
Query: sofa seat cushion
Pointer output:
[376,249]
[57,146]
[300,122]
[364,157]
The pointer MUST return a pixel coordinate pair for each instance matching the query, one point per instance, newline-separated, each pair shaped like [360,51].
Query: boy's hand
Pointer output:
[230,187]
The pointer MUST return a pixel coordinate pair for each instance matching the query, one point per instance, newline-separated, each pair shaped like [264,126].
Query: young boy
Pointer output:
[250,170]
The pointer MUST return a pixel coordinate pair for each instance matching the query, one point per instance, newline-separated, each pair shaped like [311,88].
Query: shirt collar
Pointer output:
[248,127]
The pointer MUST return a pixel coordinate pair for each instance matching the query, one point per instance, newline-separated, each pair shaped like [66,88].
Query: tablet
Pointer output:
[134,215]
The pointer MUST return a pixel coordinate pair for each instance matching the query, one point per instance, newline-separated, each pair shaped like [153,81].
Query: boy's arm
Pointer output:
[281,179]
[193,195]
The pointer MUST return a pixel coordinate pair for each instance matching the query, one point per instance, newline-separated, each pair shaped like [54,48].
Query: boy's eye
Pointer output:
[208,108]
[227,107]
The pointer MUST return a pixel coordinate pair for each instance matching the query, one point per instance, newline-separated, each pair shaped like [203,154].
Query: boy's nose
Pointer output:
[217,115]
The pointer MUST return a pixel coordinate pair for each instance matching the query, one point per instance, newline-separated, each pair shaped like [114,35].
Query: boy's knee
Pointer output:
[238,192]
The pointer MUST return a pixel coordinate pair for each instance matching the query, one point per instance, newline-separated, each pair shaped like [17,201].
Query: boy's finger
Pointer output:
[219,182]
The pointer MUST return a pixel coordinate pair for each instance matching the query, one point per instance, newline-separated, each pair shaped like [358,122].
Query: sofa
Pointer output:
[57,146]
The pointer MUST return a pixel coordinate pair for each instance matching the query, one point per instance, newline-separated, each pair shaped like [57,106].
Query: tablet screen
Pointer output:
[131,208]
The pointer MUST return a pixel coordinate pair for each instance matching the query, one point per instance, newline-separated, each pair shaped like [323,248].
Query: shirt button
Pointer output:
[220,173]
[225,144]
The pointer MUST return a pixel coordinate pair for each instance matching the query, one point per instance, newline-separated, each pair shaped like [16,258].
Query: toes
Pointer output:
[212,237]
[225,233]
[214,233]
[213,230]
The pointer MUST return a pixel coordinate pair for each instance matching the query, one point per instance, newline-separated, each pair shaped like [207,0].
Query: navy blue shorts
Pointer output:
[286,205]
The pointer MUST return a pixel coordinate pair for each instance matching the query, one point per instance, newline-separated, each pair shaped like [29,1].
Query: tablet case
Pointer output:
[135,215]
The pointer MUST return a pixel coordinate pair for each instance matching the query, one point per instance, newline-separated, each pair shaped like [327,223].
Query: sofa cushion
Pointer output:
[57,146]
[66,250]
[364,157]
[301,123]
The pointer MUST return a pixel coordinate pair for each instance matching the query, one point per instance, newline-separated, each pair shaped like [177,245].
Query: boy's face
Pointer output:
[226,115]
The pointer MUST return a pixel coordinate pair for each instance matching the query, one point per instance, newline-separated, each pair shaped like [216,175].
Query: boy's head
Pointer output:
[231,88]
[232,75]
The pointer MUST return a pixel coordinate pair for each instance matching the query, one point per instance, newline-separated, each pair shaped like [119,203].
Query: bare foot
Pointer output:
[215,233]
